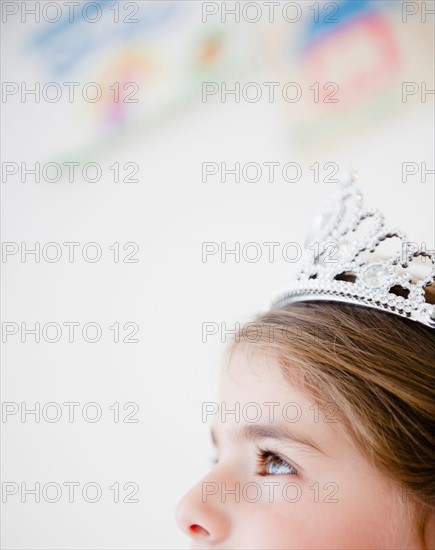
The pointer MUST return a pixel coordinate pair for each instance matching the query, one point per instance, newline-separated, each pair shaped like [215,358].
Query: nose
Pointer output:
[202,515]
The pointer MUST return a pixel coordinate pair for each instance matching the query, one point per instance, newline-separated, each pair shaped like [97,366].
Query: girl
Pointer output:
[326,432]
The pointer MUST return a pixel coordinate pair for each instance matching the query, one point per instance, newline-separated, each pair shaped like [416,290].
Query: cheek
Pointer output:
[313,524]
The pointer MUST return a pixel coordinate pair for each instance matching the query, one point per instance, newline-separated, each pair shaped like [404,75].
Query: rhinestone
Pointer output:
[344,248]
[375,276]
[319,224]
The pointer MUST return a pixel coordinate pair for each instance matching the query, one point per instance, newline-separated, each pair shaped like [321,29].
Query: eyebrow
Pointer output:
[256,432]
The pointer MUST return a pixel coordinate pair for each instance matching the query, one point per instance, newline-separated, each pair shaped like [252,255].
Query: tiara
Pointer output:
[340,263]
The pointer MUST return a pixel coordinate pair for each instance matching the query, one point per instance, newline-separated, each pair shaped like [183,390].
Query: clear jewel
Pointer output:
[319,224]
[375,276]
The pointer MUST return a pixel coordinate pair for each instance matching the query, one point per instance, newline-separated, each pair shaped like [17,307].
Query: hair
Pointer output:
[378,369]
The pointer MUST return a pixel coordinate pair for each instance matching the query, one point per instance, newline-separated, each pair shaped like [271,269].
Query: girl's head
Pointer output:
[325,436]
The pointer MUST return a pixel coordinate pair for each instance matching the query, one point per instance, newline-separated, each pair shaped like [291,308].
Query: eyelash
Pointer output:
[266,458]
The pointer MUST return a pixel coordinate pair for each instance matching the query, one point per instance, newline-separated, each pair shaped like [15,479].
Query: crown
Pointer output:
[341,262]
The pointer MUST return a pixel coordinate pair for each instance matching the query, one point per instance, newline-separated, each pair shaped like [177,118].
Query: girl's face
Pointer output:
[286,475]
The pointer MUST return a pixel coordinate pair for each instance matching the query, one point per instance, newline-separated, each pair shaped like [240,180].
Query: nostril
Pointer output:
[198,530]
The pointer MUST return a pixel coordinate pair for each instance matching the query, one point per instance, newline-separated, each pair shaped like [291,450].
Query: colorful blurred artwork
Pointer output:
[149,66]
[351,60]
[144,64]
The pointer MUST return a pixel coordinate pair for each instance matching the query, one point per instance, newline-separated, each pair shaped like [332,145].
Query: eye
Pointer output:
[271,464]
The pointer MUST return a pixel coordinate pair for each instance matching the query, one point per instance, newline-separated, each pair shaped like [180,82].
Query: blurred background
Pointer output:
[157,137]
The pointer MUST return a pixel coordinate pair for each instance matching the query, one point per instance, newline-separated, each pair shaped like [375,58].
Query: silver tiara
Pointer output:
[341,262]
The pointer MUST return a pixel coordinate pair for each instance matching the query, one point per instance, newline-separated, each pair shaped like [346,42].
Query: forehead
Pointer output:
[252,376]
[254,382]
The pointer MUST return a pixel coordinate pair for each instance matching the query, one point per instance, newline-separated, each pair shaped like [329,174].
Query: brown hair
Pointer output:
[378,368]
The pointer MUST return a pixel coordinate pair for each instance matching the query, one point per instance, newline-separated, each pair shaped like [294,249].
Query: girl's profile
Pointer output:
[335,446]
